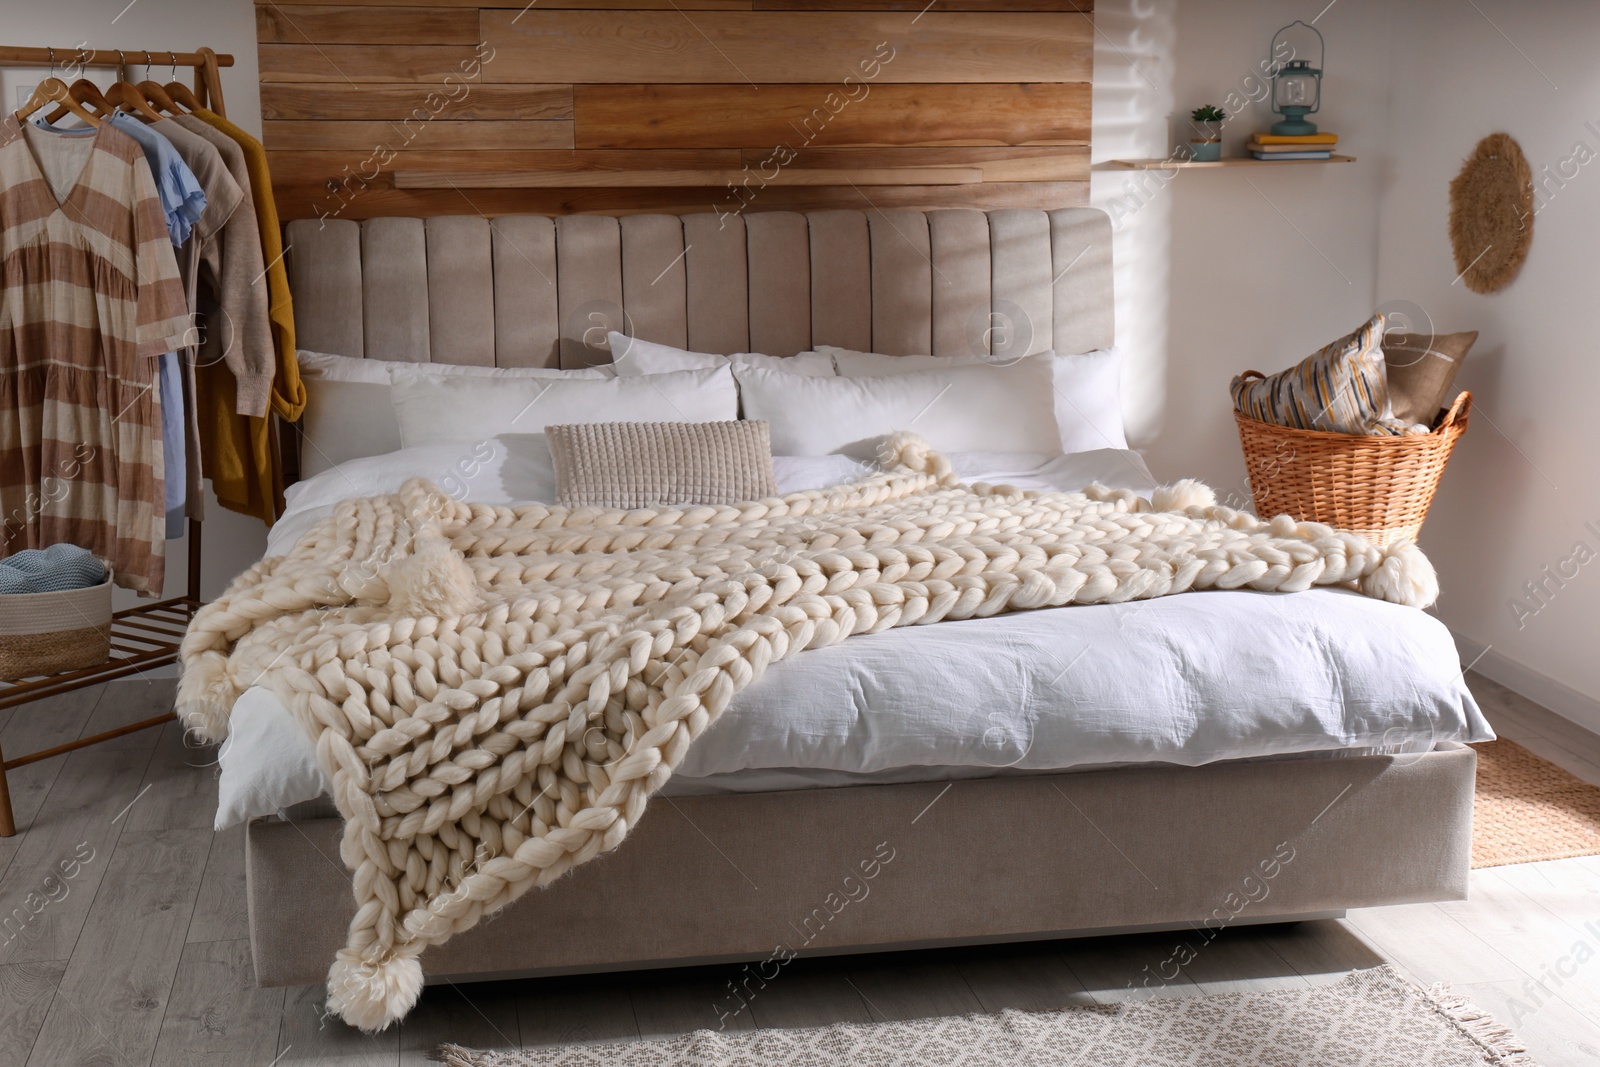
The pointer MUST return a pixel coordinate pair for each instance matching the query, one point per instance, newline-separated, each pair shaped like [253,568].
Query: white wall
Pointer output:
[1228,269]
[1522,485]
[231,542]
[1222,270]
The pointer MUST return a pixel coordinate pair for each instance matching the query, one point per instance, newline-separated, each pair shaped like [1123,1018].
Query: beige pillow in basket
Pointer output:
[651,464]
[1421,371]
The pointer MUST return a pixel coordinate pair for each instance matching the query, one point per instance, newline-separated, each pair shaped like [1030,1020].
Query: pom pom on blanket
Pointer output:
[371,995]
[906,451]
[1405,576]
[1187,493]
[206,692]
[432,580]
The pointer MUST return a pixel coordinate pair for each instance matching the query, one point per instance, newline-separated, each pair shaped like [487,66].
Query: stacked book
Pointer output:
[1277,146]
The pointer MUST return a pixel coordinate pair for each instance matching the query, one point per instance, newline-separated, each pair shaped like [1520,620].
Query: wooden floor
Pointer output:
[140,957]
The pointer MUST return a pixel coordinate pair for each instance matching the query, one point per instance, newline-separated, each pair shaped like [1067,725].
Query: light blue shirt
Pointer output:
[182,199]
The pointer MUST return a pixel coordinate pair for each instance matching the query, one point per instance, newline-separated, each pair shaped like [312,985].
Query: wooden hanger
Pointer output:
[179,95]
[126,96]
[55,91]
[158,98]
[88,94]
[155,94]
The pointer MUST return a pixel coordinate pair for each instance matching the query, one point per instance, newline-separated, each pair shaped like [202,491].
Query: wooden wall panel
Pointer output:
[366,25]
[317,102]
[804,116]
[375,108]
[358,137]
[767,47]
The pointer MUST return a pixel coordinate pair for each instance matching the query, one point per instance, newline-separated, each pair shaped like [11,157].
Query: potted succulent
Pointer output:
[1205,146]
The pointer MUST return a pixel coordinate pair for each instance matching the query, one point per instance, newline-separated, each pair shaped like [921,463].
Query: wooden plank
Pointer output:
[78,822]
[669,1003]
[478,1015]
[317,167]
[635,179]
[26,990]
[997,164]
[806,116]
[518,5]
[220,909]
[179,791]
[307,1037]
[993,6]
[899,989]
[1117,970]
[380,199]
[1522,928]
[806,993]
[521,102]
[112,997]
[32,727]
[1553,1030]
[216,1013]
[1239,960]
[1424,941]
[570,1011]
[1024,977]
[353,64]
[746,48]
[1068,163]
[1321,948]
[369,25]
[365,138]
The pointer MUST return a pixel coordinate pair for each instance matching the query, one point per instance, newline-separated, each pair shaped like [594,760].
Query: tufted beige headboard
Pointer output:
[522,291]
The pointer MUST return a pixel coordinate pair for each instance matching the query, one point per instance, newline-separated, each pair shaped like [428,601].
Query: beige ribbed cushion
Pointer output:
[647,464]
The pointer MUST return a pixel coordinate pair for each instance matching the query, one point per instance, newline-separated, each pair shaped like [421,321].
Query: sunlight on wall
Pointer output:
[1135,44]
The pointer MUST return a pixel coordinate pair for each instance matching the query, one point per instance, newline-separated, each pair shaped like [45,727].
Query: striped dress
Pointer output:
[89,299]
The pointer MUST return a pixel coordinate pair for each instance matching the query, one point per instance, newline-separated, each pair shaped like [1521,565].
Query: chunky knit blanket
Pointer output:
[495,692]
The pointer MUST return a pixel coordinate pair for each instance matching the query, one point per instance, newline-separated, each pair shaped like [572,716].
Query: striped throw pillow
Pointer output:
[1343,388]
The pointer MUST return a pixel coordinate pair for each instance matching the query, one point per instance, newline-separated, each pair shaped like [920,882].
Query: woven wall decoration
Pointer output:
[1491,214]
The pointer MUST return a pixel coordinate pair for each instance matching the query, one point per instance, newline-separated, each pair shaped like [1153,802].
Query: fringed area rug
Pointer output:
[1369,1018]
[1527,809]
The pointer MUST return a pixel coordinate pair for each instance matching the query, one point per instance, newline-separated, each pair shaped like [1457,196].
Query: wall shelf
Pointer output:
[1232,161]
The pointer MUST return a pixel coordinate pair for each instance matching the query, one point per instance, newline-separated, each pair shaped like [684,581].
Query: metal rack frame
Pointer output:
[144,637]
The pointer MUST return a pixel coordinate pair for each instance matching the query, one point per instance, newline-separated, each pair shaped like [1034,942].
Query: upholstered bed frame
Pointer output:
[720,878]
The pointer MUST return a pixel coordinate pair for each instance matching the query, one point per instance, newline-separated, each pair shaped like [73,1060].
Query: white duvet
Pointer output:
[1188,679]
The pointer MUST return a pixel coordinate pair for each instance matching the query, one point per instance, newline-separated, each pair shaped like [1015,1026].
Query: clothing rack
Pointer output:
[144,637]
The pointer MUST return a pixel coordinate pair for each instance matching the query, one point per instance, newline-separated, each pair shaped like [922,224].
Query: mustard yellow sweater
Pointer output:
[239,453]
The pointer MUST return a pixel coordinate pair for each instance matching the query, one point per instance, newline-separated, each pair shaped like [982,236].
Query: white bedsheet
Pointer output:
[1189,679]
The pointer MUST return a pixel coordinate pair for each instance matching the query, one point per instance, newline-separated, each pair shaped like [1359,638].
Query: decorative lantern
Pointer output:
[1297,88]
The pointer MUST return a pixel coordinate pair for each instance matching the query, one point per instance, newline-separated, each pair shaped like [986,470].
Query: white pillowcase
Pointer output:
[961,409]
[430,408]
[348,411]
[632,357]
[1088,388]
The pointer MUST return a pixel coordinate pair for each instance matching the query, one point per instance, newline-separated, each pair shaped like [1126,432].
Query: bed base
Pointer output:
[757,877]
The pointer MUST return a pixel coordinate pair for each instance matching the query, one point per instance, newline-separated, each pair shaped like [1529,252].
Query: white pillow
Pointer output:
[348,412]
[961,409]
[430,408]
[1088,388]
[632,357]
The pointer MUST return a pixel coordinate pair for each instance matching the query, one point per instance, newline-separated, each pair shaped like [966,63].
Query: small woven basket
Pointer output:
[48,633]
[1378,487]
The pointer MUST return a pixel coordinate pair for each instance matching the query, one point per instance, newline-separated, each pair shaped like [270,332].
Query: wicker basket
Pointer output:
[1378,487]
[48,633]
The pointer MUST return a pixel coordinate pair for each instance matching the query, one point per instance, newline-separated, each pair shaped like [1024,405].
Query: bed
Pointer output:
[1033,791]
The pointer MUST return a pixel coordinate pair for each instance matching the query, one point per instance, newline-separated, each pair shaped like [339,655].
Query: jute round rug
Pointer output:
[1527,809]
[1370,1018]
